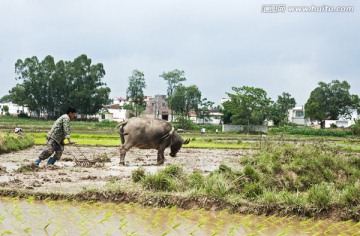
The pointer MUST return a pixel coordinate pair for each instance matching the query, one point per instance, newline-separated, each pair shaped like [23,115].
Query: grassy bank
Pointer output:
[303,179]
[13,142]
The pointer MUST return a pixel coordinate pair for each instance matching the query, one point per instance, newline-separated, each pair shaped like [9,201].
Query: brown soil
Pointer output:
[18,172]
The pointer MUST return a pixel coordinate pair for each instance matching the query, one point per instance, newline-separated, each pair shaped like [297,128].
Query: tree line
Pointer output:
[48,87]
[328,101]
[181,99]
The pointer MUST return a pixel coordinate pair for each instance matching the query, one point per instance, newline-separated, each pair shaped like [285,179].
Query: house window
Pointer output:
[299,113]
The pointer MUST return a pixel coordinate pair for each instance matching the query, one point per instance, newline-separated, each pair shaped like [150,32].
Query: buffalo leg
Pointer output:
[122,155]
[160,157]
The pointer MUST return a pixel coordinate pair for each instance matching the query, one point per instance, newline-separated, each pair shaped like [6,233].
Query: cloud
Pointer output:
[217,44]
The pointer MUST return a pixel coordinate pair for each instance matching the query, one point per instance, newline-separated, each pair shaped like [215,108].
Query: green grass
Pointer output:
[13,142]
[306,177]
[84,139]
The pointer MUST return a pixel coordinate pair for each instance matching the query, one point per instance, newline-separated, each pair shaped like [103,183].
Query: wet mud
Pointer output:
[68,175]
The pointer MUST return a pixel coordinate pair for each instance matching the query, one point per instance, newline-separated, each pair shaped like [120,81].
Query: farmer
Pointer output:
[18,130]
[56,136]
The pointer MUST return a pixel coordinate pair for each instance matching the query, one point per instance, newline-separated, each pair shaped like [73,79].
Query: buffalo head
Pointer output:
[176,144]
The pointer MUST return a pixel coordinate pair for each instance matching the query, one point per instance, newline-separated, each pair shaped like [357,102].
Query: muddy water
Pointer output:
[29,217]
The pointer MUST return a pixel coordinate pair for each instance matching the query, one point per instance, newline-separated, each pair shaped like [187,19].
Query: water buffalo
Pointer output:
[149,133]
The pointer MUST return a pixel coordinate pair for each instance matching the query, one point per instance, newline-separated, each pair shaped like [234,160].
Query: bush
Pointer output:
[23,115]
[356,128]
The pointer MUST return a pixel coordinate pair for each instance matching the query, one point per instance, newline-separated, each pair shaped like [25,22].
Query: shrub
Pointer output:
[23,115]
[356,128]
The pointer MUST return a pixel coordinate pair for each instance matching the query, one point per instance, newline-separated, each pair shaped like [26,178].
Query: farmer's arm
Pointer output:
[67,130]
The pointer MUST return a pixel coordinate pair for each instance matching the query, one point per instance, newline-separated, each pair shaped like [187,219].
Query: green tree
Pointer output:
[330,101]
[279,109]
[185,99]
[87,91]
[204,111]
[248,105]
[135,94]
[6,98]
[5,109]
[34,85]
[173,79]
[50,88]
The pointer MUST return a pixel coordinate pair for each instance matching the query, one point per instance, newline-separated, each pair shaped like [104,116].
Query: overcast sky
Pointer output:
[219,44]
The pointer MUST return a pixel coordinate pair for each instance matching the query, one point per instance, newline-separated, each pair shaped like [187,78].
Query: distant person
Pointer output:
[56,136]
[202,131]
[216,131]
[18,130]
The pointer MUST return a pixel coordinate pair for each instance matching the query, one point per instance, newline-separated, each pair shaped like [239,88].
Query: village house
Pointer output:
[14,109]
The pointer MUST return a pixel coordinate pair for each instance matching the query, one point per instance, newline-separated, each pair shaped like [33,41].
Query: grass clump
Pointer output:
[168,179]
[320,195]
[138,174]
[102,158]
[27,168]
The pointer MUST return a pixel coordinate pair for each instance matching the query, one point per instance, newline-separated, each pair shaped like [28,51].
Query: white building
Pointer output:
[14,109]
[343,122]
[296,115]
[114,112]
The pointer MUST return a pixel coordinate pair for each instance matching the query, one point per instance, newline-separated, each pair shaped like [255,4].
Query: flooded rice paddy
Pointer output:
[30,217]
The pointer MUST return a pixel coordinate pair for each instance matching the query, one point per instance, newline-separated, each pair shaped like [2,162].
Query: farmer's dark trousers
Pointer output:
[51,147]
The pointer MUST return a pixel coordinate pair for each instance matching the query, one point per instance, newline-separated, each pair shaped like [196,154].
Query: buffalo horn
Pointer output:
[186,141]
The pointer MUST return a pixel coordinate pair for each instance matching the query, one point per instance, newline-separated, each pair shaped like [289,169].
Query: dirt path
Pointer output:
[66,177]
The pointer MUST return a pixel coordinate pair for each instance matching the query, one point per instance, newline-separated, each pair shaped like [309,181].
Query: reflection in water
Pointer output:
[29,217]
